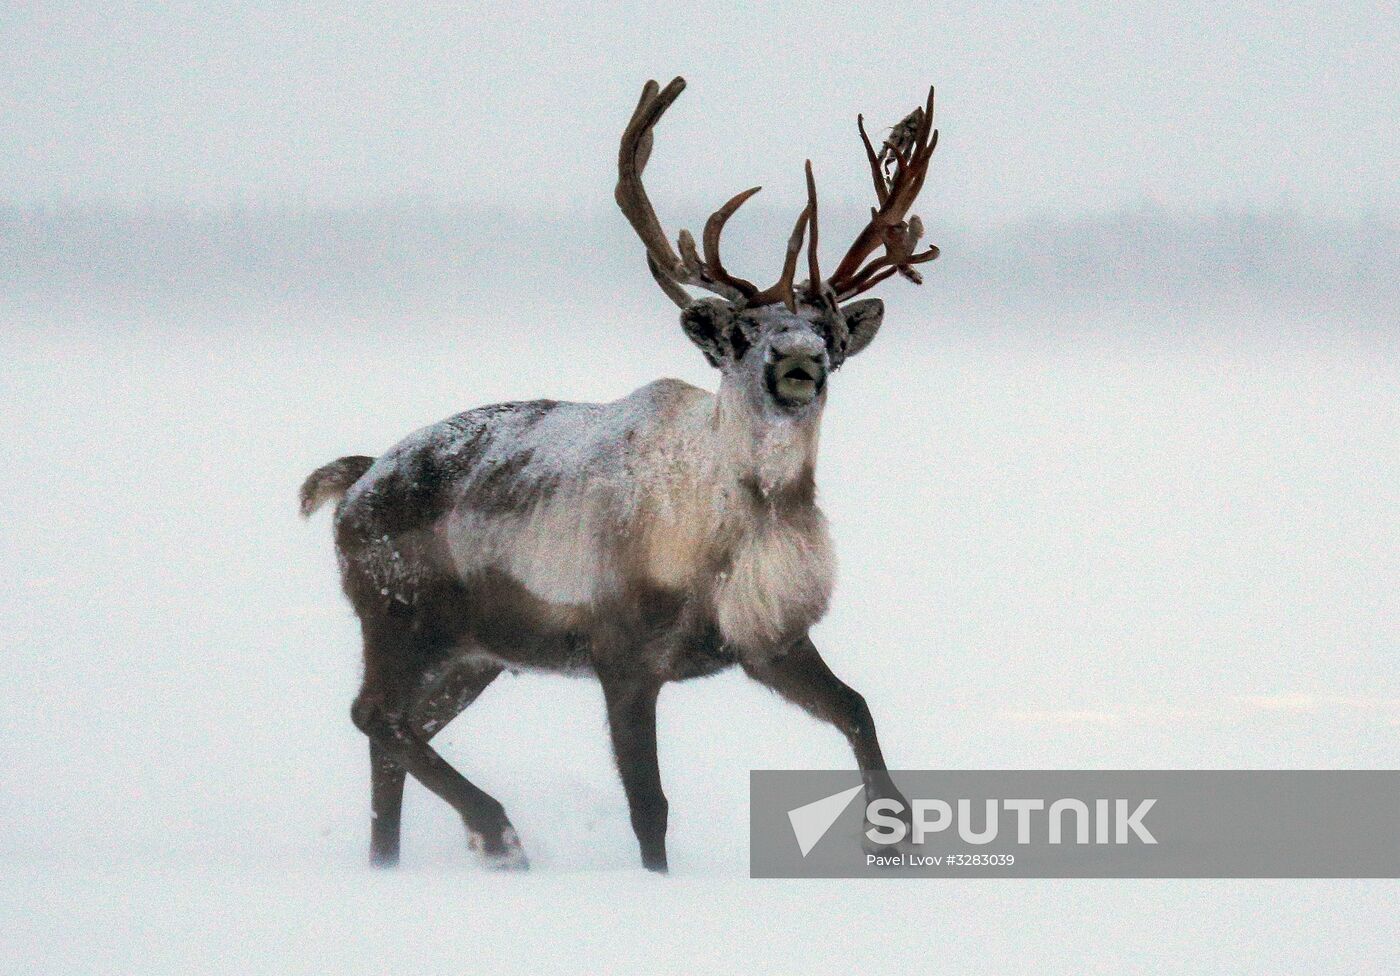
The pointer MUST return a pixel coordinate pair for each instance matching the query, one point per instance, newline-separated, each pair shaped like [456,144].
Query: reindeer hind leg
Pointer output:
[440,703]
[386,806]
[398,657]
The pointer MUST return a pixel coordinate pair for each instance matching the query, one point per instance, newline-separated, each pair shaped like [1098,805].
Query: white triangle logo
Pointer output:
[811,822]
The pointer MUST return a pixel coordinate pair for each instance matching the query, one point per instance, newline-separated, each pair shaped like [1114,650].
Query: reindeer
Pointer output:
[667,535]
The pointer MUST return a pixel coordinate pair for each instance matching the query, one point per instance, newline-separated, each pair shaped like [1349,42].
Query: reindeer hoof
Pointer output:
[502,853]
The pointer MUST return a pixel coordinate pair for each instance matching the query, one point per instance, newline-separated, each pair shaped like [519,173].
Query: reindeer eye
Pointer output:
[738,342]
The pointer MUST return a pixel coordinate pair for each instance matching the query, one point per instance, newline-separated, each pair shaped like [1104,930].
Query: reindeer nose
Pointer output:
[805,363]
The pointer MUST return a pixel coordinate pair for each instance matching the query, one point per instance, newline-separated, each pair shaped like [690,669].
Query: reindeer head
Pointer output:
[781,342]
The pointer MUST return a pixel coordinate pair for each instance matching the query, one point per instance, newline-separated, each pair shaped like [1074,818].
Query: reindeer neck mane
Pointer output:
[732,514]
[772,455]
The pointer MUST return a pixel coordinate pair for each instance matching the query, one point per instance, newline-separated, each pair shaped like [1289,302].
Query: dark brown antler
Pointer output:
[670,270]
[782,290]
[908,151]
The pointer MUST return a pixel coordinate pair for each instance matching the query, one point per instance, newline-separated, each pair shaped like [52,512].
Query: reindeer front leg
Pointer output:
[799,674]
[631,701]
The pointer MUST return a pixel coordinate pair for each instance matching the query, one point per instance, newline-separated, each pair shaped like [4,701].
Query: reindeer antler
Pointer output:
[907,151]
[670,270]
[806,222]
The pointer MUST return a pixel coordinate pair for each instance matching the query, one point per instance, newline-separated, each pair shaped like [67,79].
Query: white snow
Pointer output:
[1136,541]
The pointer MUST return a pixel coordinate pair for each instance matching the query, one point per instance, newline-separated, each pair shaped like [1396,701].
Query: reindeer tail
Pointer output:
[332,481]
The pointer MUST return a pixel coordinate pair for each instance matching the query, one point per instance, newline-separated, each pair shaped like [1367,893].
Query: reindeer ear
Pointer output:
[863,320]
[708,322]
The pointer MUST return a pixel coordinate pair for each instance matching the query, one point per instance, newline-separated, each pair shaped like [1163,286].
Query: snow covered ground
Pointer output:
[1127,541]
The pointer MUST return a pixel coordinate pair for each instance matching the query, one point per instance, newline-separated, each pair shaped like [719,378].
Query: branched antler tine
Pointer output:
[782,290]
[912,158]
[866,242]
[919,159]
[714,227]
[794,248]
[649,91]
[689,256]
[912,161]
[643,153]
[814,271]
[673,291]
[901,159]
[632,157]
[924,161]
[907,190]
[880,190]
[883,261]
[885,266]
[927,125]
[860,285]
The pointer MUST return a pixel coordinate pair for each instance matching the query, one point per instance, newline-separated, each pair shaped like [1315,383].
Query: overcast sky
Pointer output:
[1071,109]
